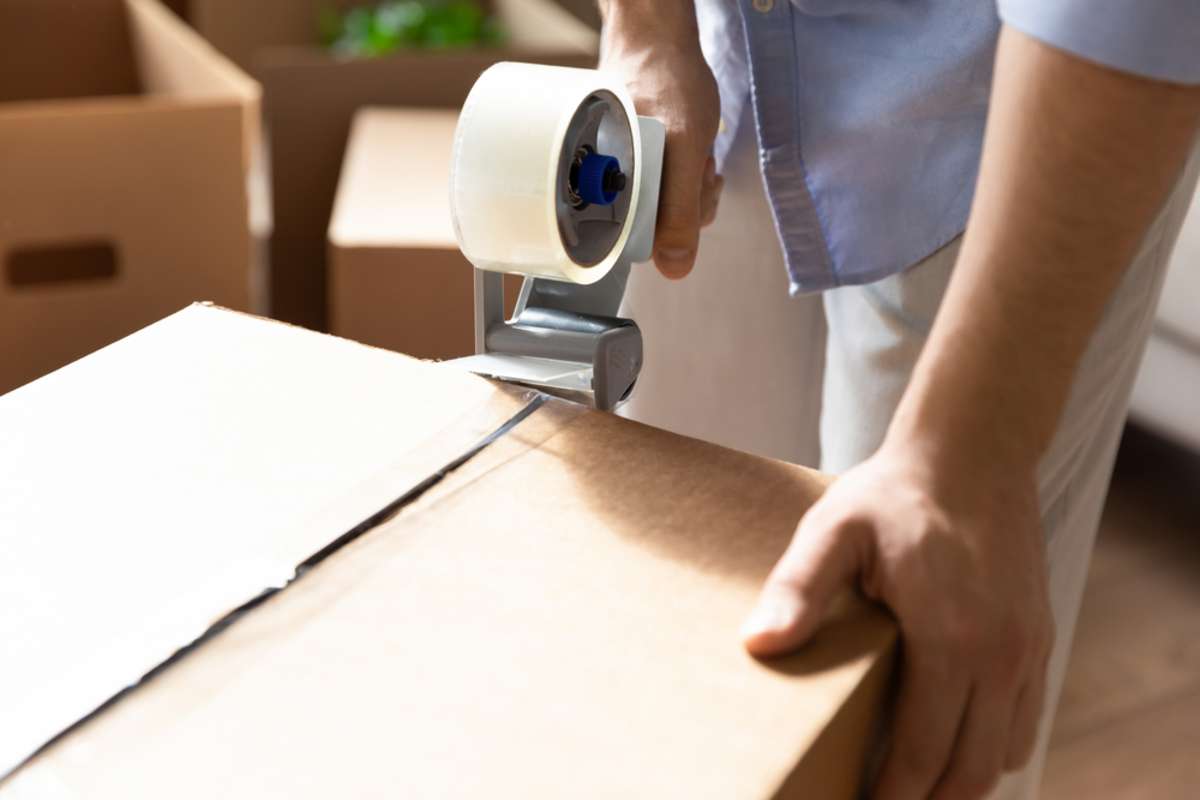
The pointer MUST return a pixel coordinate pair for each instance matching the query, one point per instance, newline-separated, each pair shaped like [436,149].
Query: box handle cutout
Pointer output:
[48,265]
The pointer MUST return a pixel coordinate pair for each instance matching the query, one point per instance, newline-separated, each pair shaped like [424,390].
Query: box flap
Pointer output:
[556,618]
[544,25]
[173,59]
[158,483]
[586,11]
[38,32]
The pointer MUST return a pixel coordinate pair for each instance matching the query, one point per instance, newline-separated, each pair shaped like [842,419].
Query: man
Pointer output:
[975,385]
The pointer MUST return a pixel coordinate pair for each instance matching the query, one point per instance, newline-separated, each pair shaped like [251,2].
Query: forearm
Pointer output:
[648,25]
[1077,162]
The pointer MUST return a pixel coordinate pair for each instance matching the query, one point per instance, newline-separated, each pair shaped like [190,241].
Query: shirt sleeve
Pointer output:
[1157,39]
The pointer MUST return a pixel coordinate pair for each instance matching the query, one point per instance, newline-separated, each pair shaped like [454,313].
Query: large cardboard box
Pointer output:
[182,7]
[254,34]
[416,583]
[587,11]
[124,141]
[311,96]
[396,276]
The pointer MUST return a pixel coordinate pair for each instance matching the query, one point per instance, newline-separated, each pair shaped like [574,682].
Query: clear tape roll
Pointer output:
[505,172]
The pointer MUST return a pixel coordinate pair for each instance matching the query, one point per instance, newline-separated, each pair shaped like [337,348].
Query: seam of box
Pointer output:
[305,567]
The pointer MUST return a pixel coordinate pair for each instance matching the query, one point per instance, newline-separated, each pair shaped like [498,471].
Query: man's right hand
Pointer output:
[654,47]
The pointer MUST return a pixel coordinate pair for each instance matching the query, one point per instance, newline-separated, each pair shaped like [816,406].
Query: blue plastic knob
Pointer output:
[600,179]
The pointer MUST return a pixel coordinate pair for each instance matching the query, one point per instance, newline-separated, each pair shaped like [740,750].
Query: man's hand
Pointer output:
[653,46]
[959,561]
[942,523]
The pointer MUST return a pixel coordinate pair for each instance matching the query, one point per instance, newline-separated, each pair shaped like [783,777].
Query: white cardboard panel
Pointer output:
[149,488]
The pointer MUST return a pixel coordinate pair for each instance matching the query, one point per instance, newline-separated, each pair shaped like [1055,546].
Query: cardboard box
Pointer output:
[396,276]
[124,141]
[586,11]
[311,97]
[253,34]
[555,617]
[180,7]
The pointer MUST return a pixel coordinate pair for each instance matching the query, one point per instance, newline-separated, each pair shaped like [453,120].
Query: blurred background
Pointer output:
[290,158]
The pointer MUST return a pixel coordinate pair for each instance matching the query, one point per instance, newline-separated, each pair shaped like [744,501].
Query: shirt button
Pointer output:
[763,6]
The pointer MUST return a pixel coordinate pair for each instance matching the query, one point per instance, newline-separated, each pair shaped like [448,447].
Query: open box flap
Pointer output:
[175,61]
[39,33]
[118,48]
[162,481]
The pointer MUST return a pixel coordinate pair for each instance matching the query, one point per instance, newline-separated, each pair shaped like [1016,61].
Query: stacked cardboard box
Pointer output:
[311,97]
[180,7]
[124,142]
[396,276]
[554,616]
[588,11]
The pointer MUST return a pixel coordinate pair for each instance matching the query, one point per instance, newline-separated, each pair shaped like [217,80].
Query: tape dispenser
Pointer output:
[555,177]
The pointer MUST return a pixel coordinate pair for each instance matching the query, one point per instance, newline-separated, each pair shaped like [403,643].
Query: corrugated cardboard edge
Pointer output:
[854,730]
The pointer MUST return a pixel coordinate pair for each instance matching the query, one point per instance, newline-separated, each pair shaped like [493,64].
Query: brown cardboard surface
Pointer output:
[587,11]
[556,618]
[39,33]
[154,184]
[162,481]
[181,8]
[174,62]
[413,300]
[395,182]
[241,30]
[310,98]
[396,276]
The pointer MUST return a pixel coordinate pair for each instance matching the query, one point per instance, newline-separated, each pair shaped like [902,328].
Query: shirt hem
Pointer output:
[831,280]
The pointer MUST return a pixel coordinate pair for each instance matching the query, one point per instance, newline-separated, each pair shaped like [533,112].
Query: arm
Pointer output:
[654,46]
[1078,162]
[942,523]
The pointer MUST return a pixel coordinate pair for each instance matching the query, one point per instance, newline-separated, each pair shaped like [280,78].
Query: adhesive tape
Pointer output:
[517,131]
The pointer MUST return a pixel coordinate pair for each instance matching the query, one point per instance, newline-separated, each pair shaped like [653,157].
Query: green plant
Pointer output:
[399,24]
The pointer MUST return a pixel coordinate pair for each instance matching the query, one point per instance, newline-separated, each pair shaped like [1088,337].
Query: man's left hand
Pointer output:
[959,560]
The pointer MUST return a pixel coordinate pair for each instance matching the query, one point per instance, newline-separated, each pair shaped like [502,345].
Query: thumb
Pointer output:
[818,564]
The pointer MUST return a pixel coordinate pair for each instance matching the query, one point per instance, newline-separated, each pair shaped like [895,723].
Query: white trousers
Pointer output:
[730,358]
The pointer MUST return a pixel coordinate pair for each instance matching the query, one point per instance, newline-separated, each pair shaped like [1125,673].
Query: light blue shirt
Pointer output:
[870,113]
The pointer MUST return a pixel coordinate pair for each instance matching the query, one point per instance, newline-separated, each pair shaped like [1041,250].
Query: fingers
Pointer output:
[1001,722]
[979,752]
[1028,714]
[1023,734]
[820,561]
[679,207]
[929,711]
